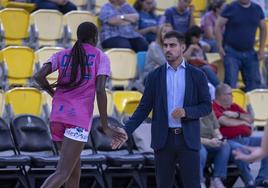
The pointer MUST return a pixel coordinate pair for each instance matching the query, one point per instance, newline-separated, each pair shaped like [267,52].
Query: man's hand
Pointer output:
[215,143]
[178,113]
[248,154]
[118,135]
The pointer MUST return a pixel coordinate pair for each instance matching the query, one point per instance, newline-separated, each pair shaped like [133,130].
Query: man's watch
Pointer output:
[122,17]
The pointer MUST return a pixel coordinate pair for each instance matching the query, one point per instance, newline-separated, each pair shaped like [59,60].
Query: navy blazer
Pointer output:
[197,103]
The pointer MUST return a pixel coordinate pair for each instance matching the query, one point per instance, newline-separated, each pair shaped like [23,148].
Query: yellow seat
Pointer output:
[110,104]
[14,25]
[123,67]
[73,19]
[29,7]
[239,98]
[48,28]
[25,101]
[258,99]
[161,6]
[199,7]
[42,55]
[122,97]
[131,2]
[19,62]
[197,21]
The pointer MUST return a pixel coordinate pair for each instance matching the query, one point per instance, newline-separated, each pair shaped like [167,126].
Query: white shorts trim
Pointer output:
[77,133]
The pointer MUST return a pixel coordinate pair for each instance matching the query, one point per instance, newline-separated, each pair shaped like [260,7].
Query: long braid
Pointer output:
[86,33]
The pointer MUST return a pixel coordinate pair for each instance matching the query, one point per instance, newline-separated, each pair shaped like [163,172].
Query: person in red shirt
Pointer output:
[236,126]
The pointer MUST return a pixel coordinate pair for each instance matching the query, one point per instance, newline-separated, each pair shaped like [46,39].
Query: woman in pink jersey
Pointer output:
[83,71]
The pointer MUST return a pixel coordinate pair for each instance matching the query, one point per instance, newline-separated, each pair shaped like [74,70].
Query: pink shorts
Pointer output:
[60,130]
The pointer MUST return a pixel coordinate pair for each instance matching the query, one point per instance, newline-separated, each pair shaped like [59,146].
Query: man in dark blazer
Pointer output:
[178,95]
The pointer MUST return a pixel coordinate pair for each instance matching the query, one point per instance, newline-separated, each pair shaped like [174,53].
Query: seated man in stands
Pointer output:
[236,127]
[213,149]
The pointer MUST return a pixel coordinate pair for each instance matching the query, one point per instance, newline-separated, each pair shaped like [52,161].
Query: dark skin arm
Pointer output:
[40,78]
[115,133]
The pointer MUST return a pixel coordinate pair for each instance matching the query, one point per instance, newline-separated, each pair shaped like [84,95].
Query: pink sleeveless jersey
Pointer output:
[76,106]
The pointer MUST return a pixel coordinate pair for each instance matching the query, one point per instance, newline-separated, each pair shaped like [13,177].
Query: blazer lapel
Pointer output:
[163,86]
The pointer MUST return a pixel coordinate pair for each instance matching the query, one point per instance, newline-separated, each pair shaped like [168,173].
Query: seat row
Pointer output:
[28,155]
[18,64]
[25,100]
[18,27]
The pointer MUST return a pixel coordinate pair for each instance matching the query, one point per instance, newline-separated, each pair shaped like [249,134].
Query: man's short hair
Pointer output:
[175,34]
[220,89]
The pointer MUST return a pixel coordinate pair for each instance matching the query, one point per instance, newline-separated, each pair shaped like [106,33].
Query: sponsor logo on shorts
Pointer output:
[77,133]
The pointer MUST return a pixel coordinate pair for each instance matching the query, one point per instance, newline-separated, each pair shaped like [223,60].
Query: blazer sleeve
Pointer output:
[203,107]
[144,107]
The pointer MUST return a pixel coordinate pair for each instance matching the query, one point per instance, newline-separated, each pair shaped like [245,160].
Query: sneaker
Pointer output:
[217,183]
[202,185]
[263,183]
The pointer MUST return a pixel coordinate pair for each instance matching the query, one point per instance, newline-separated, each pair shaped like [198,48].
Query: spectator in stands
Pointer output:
[180,17]
[148,20]
[256,153]
[118,26]
[63,6]
[73,101]
[213,148]
[241,19]
[236,127]
[155,55]
[208,22]
[195,54]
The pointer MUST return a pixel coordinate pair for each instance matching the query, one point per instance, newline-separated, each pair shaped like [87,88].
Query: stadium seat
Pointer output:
[14,27]
[19,65]
[72,20]
[199,7]
[46,28]
[141,60]
[12,164]
[24,101]
[29,7]
[121,98]
[258,100]
[110,104]
[41,57]
[121,163]
[32,138]
[239,97]
[123,68]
